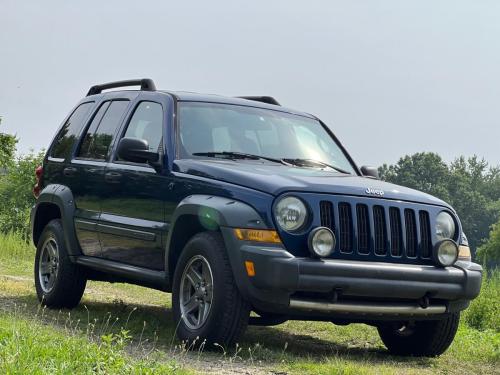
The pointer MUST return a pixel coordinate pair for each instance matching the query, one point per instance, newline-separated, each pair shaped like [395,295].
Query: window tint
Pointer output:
[69,132]
[102,130]
[147,123]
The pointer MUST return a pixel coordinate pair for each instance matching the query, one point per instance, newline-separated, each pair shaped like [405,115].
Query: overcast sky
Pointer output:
[389,77]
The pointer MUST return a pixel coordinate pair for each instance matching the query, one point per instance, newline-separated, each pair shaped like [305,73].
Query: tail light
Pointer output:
[38,175]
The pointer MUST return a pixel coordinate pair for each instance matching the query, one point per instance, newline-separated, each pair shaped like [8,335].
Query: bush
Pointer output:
[16,197]
[484,311]
[489,253]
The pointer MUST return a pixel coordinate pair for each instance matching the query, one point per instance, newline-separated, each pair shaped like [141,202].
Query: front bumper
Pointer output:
[287,284]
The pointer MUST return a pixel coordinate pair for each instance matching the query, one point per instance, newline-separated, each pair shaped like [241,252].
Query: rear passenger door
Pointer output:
[132,221]
[87,171]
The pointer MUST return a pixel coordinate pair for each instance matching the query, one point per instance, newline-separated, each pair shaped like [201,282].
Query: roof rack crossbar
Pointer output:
[263,99]
[146,84]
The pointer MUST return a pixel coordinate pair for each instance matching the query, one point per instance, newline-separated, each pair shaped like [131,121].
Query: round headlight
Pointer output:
[445,226]
[290,213]
[321,241]
[446,253]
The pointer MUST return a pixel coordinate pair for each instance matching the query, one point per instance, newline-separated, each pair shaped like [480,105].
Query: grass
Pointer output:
[133,327]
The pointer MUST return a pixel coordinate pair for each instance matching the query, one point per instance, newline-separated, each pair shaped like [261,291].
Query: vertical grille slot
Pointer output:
[363,228]
[411,233]
[425,235]
[380,232]
[326,214]
[345,227]
[396,235]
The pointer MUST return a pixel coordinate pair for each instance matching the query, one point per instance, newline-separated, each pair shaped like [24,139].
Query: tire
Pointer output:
[423,339]
[59,283]
[227,316]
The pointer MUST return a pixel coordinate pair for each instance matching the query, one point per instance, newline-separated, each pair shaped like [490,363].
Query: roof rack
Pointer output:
[263,99]
[146,84]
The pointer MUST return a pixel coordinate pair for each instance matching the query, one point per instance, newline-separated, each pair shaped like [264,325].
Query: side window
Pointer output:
[69,132]
[102,130]
[147,123]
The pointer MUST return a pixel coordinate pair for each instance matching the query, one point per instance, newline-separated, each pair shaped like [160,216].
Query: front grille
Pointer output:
[380,230]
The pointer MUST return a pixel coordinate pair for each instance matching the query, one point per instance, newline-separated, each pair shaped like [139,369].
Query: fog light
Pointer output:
[446,253]
[321,242]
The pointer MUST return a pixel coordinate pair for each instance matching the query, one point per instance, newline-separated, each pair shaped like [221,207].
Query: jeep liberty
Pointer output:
[239,205]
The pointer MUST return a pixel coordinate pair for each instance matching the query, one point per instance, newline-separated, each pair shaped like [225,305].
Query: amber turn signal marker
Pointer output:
[250,268]
[464,252]
[257,235]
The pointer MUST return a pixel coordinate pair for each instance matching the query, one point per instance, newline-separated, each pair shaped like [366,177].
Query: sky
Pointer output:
[389,77]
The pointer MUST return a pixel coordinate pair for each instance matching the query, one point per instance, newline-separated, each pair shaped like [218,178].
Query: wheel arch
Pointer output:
[55,202]
[199,213]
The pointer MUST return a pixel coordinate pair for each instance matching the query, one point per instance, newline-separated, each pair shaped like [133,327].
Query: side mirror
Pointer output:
[368,171]
[136,150]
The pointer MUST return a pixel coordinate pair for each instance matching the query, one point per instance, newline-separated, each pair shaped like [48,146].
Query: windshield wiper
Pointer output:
[238,155]
[299,162]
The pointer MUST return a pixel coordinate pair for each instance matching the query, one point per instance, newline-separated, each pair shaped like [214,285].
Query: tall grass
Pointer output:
[484,311]
[14,248]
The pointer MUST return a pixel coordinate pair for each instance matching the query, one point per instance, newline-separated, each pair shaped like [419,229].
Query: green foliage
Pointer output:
[7,149]
[16,196]
[469,185]
[30,347]
[484,311]
[489,253]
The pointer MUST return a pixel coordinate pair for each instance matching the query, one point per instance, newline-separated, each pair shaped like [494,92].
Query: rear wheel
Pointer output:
[425,338]
[59,282]
[206,303]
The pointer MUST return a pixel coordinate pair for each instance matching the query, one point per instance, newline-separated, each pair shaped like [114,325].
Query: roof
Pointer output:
[185,96]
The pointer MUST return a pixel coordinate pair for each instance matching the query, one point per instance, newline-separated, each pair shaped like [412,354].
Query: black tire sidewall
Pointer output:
[60,295]
[210,250]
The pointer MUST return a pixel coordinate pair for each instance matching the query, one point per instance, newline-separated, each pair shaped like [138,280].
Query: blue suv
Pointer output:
[239,205]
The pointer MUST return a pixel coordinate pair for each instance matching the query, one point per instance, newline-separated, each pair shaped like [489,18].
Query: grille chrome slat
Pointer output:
[378,230]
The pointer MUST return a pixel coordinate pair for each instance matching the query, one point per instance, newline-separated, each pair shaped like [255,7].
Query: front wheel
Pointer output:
[423,339]
[206,303]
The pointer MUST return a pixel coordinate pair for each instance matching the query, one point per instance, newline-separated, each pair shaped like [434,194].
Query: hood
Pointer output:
[276,179]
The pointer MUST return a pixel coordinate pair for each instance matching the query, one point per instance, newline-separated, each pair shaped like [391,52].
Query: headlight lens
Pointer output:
[290,213]
[446,252]
[445,226]
[321,242]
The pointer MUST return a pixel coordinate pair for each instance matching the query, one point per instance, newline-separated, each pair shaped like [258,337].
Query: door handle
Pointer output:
[113,177]
[69,171]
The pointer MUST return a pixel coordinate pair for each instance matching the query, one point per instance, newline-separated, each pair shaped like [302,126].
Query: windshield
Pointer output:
[217,128]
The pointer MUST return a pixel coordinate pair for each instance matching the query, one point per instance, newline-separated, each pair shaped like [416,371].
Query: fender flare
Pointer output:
[62,197]
[216,211]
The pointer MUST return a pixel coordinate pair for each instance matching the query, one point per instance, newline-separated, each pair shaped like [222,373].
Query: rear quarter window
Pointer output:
[61,148]
[102,130]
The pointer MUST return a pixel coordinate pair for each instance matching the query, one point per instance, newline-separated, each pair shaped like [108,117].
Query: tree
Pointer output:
[16,197]
[7,148]
[489,253]
[469,185]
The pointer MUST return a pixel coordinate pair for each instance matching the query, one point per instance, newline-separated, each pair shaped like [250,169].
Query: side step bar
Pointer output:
[368,308]
[133,274]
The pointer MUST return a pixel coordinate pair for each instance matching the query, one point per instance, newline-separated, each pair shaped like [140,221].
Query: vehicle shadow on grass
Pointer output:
[152,326]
